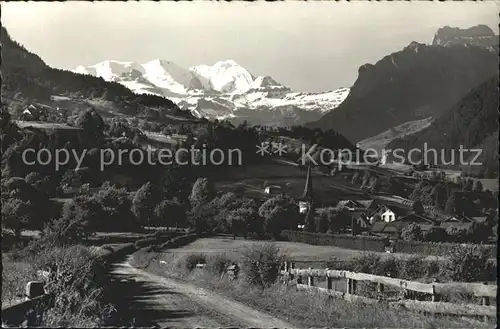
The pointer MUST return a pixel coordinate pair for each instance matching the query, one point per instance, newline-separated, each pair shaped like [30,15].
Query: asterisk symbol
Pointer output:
[263,148]
[279,148]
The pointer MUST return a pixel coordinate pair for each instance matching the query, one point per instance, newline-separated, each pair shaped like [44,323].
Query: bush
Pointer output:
[371,243]
[390,266]
[78,289]
[413,268]
[359,242]
[432,269]
[142,258]
[468,264]
[189,262]
[367,263]
[218,263]
[261,264]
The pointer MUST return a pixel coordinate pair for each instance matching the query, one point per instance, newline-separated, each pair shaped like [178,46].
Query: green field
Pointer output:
[304,255]
[250,181]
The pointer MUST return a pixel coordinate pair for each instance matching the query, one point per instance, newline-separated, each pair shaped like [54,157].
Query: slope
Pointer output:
[415,83]
[472,123]
[25,75]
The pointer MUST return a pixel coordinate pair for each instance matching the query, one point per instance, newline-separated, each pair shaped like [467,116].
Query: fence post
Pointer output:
[354,285]
[349,286]
[434,295]
[329,281]
[310,279]
[380,287]
[486,299]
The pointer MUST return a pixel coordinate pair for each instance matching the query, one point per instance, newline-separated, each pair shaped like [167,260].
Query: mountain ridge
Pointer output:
[224,90]
[414,83]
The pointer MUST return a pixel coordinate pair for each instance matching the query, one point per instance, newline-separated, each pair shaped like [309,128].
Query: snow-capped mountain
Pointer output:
[224,90]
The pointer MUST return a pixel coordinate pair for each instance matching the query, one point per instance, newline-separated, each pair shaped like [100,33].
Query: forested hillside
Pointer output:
[25,75]
[417,82]
[472,123]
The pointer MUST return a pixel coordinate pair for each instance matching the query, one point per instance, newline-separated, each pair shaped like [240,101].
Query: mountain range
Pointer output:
[415,83]
[224,90]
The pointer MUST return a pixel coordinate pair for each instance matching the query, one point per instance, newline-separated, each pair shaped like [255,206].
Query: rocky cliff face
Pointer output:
[480,35]
[417,82]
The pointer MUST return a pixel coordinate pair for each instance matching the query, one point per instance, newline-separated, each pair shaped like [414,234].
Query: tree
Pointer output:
[279,213]
[34,179]
[144,203]
[322,221]
[417,207]
[451,204]
[23,206]
[469,183]
[374,184]
[239,221]
[366,179]
[439,194]
[116,204]
[436,234]
[412,232]
[169,213]
[93,126]
[356,179]
[203,191]
[16,214]
[478,186]
[309,220]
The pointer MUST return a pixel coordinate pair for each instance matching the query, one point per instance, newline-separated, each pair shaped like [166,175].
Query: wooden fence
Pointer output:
[413,291]
[27,313]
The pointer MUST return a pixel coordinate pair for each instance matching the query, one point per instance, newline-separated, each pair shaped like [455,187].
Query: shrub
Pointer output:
[366,243]
[189,262]
[390,266]
[218,263]
[367,263]
[78,287]
[412,232]
[432,268]
[261,264]
[468,264]
[413,268]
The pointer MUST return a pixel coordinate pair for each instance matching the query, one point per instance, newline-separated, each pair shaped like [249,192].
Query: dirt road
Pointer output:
[154,300]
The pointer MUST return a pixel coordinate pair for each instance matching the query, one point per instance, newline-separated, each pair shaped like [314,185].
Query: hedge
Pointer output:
[371,243]
[435,248]
[358,242]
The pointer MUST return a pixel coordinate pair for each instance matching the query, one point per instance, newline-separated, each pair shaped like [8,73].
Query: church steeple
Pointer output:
[308,188]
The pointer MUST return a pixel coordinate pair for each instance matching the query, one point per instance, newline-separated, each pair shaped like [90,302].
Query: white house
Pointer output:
[303,207]
[388,216]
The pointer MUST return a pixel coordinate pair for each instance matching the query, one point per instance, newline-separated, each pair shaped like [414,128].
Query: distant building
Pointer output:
[388,216]
[271,189]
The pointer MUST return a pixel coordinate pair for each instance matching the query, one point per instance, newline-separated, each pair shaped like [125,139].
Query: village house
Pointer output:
[272,189]
[388,216]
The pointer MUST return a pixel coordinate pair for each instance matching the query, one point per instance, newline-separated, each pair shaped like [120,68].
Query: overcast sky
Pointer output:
[309,46]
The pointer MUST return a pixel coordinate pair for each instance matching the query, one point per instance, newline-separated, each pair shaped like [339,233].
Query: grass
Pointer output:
[250,181]
[303,309]
[78,296]
[304,255]
[15,276]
